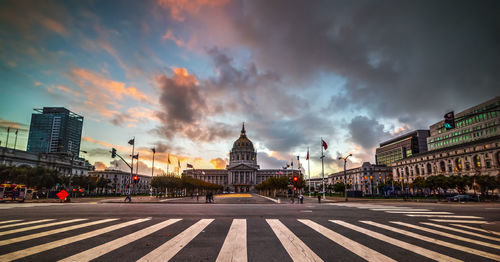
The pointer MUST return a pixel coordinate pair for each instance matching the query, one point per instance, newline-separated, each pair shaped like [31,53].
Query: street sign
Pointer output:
[62,195]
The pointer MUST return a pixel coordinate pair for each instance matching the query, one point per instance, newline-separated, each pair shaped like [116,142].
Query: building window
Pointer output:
[429,168]
[458,164]
[442,166]
[477,161]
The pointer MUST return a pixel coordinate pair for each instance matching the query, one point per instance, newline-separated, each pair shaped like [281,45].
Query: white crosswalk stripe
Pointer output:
[44,247]
[419,212]
[296,249]
[365,252]
[234,247]
[10,221]
[477,229]
[51,232]
[26,223]
[40,226]
[168,250]
[460,221]
[462,231]
[444,216]
[117,243]
[436,232]
[435,241]
[410,247]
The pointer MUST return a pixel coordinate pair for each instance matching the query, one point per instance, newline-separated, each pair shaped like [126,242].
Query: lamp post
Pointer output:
[345,174]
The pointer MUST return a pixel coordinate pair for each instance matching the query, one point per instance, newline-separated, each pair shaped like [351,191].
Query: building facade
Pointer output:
[473,124]
[242,173]
[55,130]
[365,178]
[62,162]
[471,148]
[401,147]
[121,181]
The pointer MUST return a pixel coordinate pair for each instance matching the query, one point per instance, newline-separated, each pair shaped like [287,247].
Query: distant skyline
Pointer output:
[182,76]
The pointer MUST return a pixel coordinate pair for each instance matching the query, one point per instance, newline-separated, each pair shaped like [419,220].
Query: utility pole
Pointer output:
[345,174]
[323,169]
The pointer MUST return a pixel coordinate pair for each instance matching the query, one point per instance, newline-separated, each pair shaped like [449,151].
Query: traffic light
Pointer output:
[136,179]
[113,152]
[295,179]
[294,189]
[449,120]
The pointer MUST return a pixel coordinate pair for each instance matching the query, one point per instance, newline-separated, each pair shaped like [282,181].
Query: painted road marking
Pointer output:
[419,212]
[168,250]
[51,245]
[437,232]
[404,245]
[477,229]
[460,221]
[435,241]
[363,251]
[234,248]
[40,226]
[98,251]
[398,209]
[462,231]
[26,223]
[10,221]
[296,249]
[51,232]
[445,216]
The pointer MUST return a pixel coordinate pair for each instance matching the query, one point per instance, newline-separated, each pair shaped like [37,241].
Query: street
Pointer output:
[250,228]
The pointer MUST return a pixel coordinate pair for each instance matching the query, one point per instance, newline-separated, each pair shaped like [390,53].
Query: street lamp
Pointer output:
[345,174]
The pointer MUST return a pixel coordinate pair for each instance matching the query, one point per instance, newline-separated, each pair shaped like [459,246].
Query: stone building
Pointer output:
[365,178]
[121,179]
[242,173]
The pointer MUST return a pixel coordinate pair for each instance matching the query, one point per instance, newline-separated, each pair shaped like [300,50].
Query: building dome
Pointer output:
[243,151]
[243,143]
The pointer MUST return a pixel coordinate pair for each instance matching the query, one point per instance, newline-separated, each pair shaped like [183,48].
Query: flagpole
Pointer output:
[152,172]
[168,162]
[322,169]
[309,171]
[7,141]
[132,166]
[15,141]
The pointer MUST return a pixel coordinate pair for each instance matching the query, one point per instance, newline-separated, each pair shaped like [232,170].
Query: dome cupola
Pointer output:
[243,150]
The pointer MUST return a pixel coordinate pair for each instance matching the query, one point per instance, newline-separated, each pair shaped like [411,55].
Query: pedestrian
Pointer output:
[301,197]
[319,198]
[197,196]
[206,197]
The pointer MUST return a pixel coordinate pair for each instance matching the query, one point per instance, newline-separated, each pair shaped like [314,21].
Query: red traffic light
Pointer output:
[295,179]
[136,177]
[294,189]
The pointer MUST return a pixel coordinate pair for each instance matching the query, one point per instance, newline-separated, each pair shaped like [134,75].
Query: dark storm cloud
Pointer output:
[184,109]
[400,58]
[366,132]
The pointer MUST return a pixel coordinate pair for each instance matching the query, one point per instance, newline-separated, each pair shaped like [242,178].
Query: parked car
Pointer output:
[459,198]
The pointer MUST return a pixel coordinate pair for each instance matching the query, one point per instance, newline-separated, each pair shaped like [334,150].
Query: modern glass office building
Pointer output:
[55,130]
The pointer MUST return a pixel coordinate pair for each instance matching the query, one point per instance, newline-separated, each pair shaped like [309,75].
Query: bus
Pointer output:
[15,192]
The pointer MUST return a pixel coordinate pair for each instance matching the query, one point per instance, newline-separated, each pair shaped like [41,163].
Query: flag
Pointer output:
[307,157]
[189,165]
[153,149]
[291,163]
[168,159]
[17,131]
[298,158]
[136,156]
[325,146]
[287,165]
[131,141]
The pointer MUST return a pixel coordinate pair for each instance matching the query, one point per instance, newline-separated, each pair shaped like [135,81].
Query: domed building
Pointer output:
[243,173]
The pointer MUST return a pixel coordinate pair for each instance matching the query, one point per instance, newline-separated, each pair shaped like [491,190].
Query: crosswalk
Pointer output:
[302,239]
[413,212]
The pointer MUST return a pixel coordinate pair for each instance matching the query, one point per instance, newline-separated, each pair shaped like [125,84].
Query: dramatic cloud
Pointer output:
[180,8]
[367,132]
[219,163]
[185,109]
[99,166]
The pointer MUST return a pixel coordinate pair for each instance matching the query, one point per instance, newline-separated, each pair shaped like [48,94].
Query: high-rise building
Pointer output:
[475,123]
[55,130]
[401,147]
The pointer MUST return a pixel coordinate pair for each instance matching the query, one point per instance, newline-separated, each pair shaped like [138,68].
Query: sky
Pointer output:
[182,76]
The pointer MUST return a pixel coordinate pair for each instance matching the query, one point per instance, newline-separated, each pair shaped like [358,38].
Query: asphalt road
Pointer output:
[249,229]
